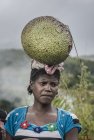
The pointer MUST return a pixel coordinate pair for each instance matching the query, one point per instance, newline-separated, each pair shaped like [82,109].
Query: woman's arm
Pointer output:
[8,137]
[72,135]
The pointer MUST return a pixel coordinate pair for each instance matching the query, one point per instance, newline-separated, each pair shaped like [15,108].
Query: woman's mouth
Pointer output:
[47,96]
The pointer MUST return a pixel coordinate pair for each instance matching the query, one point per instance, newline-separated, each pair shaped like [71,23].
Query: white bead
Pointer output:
[61,125]
[15,122]
[17,114]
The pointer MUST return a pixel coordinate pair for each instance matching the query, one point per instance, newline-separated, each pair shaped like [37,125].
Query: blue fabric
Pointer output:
[14,120]
[65,121]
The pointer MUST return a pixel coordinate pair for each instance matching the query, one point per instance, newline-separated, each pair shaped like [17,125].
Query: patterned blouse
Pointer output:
[19,128]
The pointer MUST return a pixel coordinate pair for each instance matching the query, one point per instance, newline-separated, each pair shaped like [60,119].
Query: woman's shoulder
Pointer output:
[68,120]
[16,111]
[67,114]
[22,108]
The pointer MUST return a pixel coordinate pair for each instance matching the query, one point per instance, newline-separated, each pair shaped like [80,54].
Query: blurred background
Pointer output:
[14,14]
[15,65]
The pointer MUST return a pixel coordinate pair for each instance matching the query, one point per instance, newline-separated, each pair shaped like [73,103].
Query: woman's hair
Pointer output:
[35,73]
[3,115]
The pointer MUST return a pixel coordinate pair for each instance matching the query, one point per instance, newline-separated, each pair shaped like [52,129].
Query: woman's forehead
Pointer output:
[47,77]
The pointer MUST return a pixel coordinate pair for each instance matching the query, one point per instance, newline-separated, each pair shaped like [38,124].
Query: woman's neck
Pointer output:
[42,107]
[41,114]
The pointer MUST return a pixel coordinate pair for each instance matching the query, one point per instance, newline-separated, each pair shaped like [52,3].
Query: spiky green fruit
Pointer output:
[47,40]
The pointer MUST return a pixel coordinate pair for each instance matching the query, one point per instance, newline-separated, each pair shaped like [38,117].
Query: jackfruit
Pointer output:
[47,40]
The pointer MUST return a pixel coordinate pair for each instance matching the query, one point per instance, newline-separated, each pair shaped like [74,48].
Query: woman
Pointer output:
[42,121]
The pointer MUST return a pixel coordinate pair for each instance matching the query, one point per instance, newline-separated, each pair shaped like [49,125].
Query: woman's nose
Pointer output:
[48,87]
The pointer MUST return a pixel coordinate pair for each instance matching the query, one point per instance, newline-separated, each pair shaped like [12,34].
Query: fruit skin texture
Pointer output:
[47,40]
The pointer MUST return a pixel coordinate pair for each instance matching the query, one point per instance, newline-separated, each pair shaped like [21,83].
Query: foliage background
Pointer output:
[78,96]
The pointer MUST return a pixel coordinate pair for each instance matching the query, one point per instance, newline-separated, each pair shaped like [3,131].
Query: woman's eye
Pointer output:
[43,83]
[54,84]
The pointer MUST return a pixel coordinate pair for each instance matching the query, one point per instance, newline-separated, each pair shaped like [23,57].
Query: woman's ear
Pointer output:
[30,88]
[31,85]
[57,93]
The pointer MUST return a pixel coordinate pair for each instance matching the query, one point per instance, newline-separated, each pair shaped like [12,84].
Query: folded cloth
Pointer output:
[49,69]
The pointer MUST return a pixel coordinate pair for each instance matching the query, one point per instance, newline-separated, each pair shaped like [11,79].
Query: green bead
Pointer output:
[52,127]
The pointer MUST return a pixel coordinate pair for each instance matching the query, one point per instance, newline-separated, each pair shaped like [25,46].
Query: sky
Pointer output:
[77,14]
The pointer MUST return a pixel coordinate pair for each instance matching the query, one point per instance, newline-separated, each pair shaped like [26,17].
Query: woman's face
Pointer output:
[45,88]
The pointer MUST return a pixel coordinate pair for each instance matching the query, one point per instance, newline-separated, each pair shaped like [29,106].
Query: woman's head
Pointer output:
[36,73]
[44,86]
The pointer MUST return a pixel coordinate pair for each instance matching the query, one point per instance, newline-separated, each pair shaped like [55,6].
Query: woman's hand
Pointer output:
[72,135]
